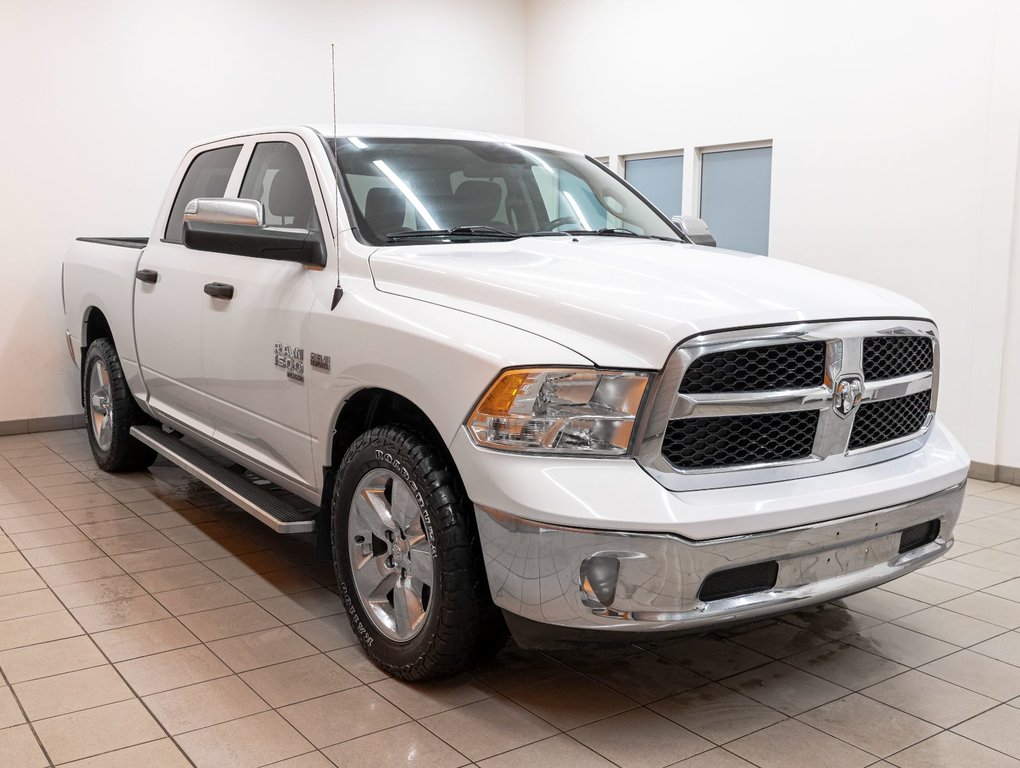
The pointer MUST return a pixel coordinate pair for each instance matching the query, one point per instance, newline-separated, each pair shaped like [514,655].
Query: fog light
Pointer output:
[599,576]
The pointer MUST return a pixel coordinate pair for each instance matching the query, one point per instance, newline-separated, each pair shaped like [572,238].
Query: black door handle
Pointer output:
[220,290]
[147,275]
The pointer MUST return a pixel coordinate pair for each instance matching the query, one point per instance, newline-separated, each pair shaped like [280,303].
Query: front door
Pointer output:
[170,300]
[255,345]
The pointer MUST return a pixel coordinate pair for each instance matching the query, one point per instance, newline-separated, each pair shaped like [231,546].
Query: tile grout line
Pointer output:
[28,721]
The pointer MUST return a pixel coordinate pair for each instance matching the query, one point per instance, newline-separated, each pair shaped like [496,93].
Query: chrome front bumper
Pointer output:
[544,573]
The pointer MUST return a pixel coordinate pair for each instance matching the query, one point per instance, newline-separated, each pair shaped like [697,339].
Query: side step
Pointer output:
[274,512]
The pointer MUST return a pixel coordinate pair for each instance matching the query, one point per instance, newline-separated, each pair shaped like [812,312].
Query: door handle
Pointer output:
[147,275]
[220,290]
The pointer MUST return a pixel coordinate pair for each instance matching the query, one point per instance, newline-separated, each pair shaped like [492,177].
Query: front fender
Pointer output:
[440,359]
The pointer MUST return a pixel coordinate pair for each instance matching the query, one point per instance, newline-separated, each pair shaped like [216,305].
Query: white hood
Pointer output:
[624,302]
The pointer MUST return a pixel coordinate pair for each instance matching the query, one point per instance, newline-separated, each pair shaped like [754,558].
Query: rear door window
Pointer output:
[207,176]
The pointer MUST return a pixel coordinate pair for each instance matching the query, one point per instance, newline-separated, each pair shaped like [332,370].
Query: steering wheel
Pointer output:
[563,221]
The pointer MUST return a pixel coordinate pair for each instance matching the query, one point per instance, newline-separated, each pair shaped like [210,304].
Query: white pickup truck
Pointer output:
[512,393]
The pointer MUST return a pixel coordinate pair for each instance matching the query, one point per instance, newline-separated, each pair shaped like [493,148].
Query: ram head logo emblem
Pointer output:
[846,395]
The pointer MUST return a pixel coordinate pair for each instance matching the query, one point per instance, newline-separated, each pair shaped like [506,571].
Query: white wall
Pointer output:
[100,100]
[894,129]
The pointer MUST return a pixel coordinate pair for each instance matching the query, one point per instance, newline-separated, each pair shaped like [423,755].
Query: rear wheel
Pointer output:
[407,558]
[111,411]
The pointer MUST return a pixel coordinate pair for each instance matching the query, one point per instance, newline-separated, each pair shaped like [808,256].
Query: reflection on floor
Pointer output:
[146,622]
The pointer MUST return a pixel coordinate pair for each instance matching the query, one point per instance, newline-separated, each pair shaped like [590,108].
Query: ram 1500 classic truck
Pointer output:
[512,393]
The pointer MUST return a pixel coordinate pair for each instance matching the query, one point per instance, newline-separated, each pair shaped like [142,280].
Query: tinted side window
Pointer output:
[277,177]
[207,176]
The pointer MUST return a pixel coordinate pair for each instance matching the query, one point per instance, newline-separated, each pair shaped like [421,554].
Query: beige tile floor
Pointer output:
[145,622]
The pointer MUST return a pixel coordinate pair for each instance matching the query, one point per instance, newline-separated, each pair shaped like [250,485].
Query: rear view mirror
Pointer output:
[695,229]
[238,227]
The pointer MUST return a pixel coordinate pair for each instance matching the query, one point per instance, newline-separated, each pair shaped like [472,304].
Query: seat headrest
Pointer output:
[385,209]
[290,195]
[477,202]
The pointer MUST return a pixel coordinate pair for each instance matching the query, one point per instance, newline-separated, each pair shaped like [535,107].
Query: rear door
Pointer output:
[169,294]
[256,344]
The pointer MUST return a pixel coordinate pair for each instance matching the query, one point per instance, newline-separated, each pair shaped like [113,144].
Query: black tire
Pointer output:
[116,450]
[461,626]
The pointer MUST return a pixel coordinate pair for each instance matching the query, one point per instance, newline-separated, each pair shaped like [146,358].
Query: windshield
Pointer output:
[451,190]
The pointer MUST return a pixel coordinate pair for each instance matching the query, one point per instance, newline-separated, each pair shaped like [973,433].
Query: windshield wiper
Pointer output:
[483,231]
[619,232]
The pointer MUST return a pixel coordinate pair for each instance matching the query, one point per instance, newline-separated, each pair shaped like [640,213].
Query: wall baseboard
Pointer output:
[995,473]
[43,424]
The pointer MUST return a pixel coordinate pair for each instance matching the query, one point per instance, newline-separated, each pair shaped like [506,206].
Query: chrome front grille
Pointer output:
[887,357]
[743,407]
[733,441]
[882,421]
[758,369]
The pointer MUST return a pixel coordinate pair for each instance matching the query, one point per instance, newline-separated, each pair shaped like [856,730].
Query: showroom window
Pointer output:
[207,176]
[735,194]
[277,177]
[660,179]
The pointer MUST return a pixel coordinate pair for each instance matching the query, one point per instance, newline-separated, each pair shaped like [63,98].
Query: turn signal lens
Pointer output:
[557,410]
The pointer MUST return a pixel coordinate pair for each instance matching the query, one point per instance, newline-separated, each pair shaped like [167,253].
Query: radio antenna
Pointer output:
[338,292]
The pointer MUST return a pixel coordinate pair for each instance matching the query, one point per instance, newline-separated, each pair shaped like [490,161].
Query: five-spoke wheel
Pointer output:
[101,405]
[407,556]
[391,556]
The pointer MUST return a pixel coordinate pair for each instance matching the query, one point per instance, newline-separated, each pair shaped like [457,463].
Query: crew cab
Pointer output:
[507,393]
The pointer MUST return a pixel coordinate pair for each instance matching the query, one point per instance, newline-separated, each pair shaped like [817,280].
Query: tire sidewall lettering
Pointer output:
[405,475]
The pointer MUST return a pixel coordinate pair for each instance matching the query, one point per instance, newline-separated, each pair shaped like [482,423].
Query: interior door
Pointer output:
[170,299]
[255,344]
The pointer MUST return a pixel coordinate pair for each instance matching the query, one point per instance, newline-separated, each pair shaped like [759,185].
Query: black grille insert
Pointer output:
[757,369]
[884,420]
[886,357]
[744,580]
[918,535]
[729,441]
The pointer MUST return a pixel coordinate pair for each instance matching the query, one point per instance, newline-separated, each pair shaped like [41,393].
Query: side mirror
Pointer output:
[695,229]
[226,225]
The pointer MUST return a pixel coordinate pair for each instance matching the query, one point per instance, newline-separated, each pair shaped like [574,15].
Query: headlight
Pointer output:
[560,410]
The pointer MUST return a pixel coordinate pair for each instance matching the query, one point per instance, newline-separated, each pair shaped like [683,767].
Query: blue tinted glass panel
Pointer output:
[660,179]
[735,194]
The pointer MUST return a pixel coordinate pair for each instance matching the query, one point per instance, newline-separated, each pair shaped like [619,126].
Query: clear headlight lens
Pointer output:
[560,410]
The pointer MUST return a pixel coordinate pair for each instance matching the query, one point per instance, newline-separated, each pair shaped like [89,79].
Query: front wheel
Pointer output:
[407,558]
[111,411]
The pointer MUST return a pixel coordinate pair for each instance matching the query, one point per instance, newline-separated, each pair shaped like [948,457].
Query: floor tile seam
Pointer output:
[961,613]
[130,695]
[959,735]
[7,533]
[919,717]
[273,664]
[716,680]
[401,725]
[961,685]
[25,717]
[942,640]
[559,732]
[858,746]
[112,751]
[269,707]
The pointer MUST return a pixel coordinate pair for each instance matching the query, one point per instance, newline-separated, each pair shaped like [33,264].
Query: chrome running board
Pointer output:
[274,512]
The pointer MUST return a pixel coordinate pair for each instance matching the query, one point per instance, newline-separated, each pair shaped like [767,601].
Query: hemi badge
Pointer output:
[319,361]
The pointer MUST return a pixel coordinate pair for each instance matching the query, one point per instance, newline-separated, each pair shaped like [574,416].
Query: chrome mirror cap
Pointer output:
[695,229]
[220,210]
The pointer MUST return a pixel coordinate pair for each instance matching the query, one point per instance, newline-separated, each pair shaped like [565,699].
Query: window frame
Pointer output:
[182,173]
